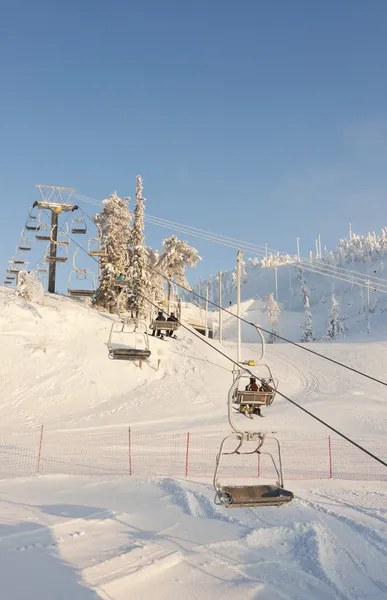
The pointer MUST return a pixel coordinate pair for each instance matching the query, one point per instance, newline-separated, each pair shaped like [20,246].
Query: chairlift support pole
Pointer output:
[53,246]
[206,316]
[239,266]
[53,200]
[220,306]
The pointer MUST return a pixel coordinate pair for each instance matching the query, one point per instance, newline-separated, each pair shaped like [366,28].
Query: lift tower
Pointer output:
[57,200]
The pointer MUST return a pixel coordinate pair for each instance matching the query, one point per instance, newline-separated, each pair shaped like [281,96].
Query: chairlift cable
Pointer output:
[326,269]
[200,337]
[331,360]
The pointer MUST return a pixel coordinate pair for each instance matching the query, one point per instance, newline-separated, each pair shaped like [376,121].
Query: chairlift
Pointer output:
[7,282]
[169,308]
[25,243]
[61,254]
[128,340]
[10,277]
[95,245]
[32,223]
[42,268]
[81,282]
[13,269]
[18,259]
[63,236]
[44,232]
[267,389]
[78,226]
[248,442]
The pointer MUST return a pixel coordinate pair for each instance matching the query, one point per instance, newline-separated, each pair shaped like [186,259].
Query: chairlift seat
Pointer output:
[97,252]
[249,496]
[19,262]
[165,325]
[78,230]
[61,259]
[41,237]
[24,248]
[129,354]
[245,398]
[80,293]
[32,227]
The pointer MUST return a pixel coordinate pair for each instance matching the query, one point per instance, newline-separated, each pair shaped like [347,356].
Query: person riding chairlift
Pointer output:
[172,319]
[160,317]
[253,387]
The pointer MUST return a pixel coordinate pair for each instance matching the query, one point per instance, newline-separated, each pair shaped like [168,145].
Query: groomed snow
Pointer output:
[109,537]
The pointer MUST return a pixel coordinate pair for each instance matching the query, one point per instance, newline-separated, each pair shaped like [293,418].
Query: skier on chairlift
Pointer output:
[160,317]
[172,319]
[253,387]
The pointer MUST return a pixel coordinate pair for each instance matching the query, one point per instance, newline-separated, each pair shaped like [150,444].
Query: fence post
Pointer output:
[40,449]
[330,457]
[259,464]
[187,455]
[130,450]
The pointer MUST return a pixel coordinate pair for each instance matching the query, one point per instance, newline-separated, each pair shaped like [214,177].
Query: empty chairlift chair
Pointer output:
[44,232]
[32,223]
[128,340]
[78,226]
[248,443]
[61,245]
[81,282]
[95,245]
[25,243]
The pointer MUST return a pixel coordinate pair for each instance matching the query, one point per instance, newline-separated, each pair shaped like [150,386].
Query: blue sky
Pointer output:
[259,120]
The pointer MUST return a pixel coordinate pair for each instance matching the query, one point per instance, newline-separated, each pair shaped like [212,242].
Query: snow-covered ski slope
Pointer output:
[91,537]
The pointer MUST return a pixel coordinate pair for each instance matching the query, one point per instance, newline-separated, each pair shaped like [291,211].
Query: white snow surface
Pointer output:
[113,537]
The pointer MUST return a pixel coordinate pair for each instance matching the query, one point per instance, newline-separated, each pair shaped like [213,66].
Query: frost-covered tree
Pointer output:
[114,224]
[273,311]
[29,287]
[335,321]
[141,279]
[174,259]
[307,327]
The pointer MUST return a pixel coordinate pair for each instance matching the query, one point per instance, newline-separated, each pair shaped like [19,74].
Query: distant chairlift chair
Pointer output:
[128,339]
[25,243]
[61,244]
[78,226]
[244,496]
[95,245]
[81,282]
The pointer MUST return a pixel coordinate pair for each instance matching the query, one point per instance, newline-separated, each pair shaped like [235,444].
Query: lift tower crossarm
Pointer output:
[57,200]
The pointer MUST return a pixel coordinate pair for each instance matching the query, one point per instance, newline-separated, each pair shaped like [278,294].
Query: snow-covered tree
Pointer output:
[141,279]
[273,312]
[335,321]
[176,255]
[114,224]
[29,287]
[307,327]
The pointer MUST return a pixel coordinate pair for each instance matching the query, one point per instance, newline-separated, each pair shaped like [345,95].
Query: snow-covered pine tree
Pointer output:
[114,223]
[29,288]
[335,321]
[273,311]
[176,255]
[307,327]
[141,281]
